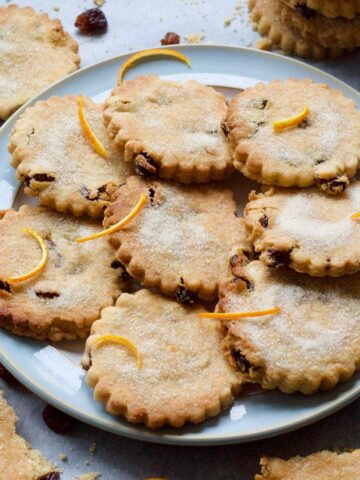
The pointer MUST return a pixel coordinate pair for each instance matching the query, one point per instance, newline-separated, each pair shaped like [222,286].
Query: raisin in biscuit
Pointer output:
[56,161]
[266,17]
[323,465]
[311,345]
[18,461]
[182,241]
[170,129]
[35,52]
[78,280]
[184,376]
[328,32]
[324,149]
[306,230]
[328,8]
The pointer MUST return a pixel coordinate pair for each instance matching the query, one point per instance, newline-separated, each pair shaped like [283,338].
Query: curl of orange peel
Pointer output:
[117,339]
[40,266]
[294,121]
[150,53]
[356,215]
[89,134]
[236,315]
[138,207]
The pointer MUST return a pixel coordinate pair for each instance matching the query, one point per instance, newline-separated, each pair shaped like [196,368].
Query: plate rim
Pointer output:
[131,431]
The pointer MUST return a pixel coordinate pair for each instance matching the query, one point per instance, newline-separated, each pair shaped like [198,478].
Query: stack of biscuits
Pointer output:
[308,28]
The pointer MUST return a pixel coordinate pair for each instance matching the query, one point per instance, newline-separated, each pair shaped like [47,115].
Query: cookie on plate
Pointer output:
[63,299]
[55,160]
[306,230]
[35,52]
[323,148]
[183,375]
[182,241]
[328,32]
[266,17]
[328,8]
[323,465]
[170,129]
[311,344]
[18,461]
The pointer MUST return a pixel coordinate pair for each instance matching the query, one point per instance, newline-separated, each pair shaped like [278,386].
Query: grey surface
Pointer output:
[134,25]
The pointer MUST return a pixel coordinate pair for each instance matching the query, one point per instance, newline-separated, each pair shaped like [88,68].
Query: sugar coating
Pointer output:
[320,223]
[34,52]
[318,326]
[323,465]
[17,460]
[183,373]
[79,274]
[49,139]
[174,227]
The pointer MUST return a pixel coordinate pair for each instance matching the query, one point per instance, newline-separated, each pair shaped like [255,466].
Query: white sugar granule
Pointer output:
[173,227]
[318,323]
[318,222]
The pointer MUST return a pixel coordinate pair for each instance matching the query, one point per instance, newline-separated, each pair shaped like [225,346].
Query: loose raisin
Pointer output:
[171,38]
[57,421]
[91,22]
[305,11]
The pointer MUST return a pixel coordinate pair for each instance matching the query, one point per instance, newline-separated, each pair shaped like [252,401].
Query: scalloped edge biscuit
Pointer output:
[166,272]
[254,159]
[31,143]
[323,465]
[279,246]
[192,161]
[266,16]
[35,314]
[18,461]
[330,8]
[189,385]
[55,36]
[312,344]
[328,32]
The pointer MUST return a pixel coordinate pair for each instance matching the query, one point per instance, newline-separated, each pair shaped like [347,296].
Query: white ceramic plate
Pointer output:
[53,371]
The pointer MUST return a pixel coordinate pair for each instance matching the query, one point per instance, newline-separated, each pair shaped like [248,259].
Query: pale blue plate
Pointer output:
[53,372]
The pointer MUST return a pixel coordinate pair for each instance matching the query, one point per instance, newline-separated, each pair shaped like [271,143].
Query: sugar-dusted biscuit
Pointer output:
[183,377]
[170,129]
[35,52]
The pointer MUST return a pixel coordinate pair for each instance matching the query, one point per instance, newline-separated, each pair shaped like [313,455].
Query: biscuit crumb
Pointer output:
[264,44]
[90,476]
[63,457]
[228,21]
[56,8]
[194,38]
[99,3]
[92,448]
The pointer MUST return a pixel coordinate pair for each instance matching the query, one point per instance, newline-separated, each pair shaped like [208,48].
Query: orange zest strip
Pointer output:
[135,211]
[112,338]
[356,215]
[281,125]
[40,265]
[89,134]
[150,53]
[236,315]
